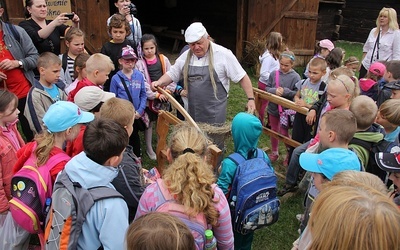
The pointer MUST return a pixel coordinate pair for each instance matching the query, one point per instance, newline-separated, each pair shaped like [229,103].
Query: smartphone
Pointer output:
[69,15]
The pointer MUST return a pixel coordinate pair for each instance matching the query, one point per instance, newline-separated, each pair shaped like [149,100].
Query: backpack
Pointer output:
[31,189]
[197,225]
[70,204]
[373,148]
[252,199]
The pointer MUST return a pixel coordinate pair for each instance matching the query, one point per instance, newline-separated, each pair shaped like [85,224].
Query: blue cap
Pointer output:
[62,115]
[330,161]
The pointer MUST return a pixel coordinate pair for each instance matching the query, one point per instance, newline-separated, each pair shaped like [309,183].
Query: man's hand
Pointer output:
[251,106]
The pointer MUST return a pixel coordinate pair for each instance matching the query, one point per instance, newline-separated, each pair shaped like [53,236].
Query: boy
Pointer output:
[44,92]
[389,118]
[104,142]
[98,67]
[390,162]
[130,181]
[389,88]
[246,130]
[89,99]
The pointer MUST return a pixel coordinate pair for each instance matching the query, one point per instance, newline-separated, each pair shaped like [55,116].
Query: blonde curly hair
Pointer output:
[189,178]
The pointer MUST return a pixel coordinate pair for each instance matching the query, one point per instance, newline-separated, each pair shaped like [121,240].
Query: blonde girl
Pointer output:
[153,65]
[79,71]
[269,63]
[190,181]
[75,43]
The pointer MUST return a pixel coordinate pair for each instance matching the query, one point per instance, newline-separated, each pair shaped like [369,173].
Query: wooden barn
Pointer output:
[233,24]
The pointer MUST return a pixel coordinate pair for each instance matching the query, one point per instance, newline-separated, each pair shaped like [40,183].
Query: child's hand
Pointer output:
[310,118]
[163,98]
[300,102]
[279,91]
[184,93]
[137,115]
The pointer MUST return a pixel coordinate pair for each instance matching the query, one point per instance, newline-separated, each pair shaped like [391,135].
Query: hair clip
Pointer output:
[188,150]
[288,55]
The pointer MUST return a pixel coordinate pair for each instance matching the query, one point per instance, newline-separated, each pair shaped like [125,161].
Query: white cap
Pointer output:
[89,97]
[195,32]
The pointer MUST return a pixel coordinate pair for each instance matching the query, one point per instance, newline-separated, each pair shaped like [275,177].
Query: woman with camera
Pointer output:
[45,34]
[128,9]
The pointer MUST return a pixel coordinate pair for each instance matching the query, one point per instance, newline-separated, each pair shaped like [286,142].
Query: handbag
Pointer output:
[286,116]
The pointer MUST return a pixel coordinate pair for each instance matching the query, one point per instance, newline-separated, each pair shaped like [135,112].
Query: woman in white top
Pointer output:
[383,42]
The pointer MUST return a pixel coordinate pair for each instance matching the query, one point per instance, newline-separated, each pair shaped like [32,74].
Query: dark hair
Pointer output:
[394,68]
[118,21]
[334,58]
[28,3]
[103,139]
[80,61]
[149,37]
[6,98]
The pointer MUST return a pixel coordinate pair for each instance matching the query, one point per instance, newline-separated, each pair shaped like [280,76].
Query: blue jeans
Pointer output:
[294,165]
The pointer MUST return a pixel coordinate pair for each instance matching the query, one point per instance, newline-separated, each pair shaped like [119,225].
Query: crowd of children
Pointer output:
[86,113]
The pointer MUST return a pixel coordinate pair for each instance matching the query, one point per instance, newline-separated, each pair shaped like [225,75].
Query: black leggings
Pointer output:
[23,121]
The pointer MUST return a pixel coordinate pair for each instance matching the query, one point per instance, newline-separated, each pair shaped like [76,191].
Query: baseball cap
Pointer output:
[128,53]
[62,115]
[326,43]
[89,97]
[389,162]
[393,85]
[330,161]
[195,32]
[377,68]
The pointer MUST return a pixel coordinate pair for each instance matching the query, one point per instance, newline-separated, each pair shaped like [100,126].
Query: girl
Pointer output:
[322,50]
[79,71]
[370,84]
[129,84]
[119,30]
[153,66]
[334,61]
[189,179]
[75,42]
[10,142]
[282,83]
[352,63]
[269,63]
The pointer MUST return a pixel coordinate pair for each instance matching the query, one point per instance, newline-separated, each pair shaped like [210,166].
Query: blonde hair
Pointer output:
[342,122]
[274,44]
[351,60]
[350,84]
[319,62]
[365,110]
[390,110]
[355,178]
[354,217]
[45,143]
[189,178]
[159,231]
[47,59]
[72,32]
[119,110]
[392,16]
[100,62]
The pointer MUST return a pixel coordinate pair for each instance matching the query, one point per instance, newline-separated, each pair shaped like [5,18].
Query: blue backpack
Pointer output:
[252,199]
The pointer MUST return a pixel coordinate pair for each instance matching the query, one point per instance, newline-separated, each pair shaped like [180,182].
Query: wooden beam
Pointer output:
[281,138]
[301,15]
[278,19]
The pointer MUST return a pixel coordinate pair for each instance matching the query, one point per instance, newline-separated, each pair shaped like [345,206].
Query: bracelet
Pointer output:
[250,98]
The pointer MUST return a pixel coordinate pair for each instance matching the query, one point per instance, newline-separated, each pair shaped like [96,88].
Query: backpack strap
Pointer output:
[126,88]
[101,193]
[236,158]
[321,89]
[127,184]
[366,145]
[32,112]
[64,61]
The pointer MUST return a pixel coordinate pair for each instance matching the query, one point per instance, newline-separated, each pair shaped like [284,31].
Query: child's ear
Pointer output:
[169,155]
[41,70]
[332,136]
[96,72]
[113,161]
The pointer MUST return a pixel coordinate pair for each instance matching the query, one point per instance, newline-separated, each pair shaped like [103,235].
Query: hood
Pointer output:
[366,84]
[23,155]
[373,134]
[88,173]
[246,130]
[264,55]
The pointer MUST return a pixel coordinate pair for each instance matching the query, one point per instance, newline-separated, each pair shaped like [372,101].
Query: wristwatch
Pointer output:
[21,65]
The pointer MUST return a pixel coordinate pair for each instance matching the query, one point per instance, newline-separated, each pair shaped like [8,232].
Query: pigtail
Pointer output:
[45,143]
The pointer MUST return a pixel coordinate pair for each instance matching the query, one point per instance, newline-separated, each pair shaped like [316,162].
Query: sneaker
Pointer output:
[151,155]
[287,188]
[300,217]
[273,157]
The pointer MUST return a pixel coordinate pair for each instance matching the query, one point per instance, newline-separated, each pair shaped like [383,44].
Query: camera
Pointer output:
[69,15]
[132,9]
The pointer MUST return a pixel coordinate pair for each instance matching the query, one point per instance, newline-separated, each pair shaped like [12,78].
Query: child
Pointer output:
[322,50]
[119,29]
[246,131]
[352,63]
[389,118]
[153,66]
[128,84]
[10,142]
[98,68]
[79,71]
[104,142]
[89,99]
[340,91]
[334,61]
[61,123]
[130,181]
[389,162]
[159,231]
[282,83]
[309,91]
[369,84]
[388,88]
[187,153]
[269,63]
[75,42]
[44,92]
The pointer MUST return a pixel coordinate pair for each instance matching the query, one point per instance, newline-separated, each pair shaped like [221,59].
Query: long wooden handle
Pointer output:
[178,106]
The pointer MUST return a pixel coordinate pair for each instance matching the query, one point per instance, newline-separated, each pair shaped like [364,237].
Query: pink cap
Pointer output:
[326,43]
[377,68]
[128,53]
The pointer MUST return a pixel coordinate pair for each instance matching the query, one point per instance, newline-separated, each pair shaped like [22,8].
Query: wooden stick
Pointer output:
[178,106]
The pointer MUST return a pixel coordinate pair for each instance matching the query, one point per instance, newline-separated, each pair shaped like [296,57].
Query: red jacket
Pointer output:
[8,157]
[82,83]
[76,146]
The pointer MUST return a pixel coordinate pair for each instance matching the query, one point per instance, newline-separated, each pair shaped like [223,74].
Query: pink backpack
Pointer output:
[31,189]
[197,225]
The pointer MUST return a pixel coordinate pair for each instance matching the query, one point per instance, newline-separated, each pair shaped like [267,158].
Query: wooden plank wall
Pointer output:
[360,17]
[328,26]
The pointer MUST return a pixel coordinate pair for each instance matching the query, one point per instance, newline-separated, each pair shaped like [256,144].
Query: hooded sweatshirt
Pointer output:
[107,221]
[246,130]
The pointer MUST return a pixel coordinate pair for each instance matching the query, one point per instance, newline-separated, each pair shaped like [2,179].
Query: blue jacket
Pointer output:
[246,130]
[136,87]
[107,221]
